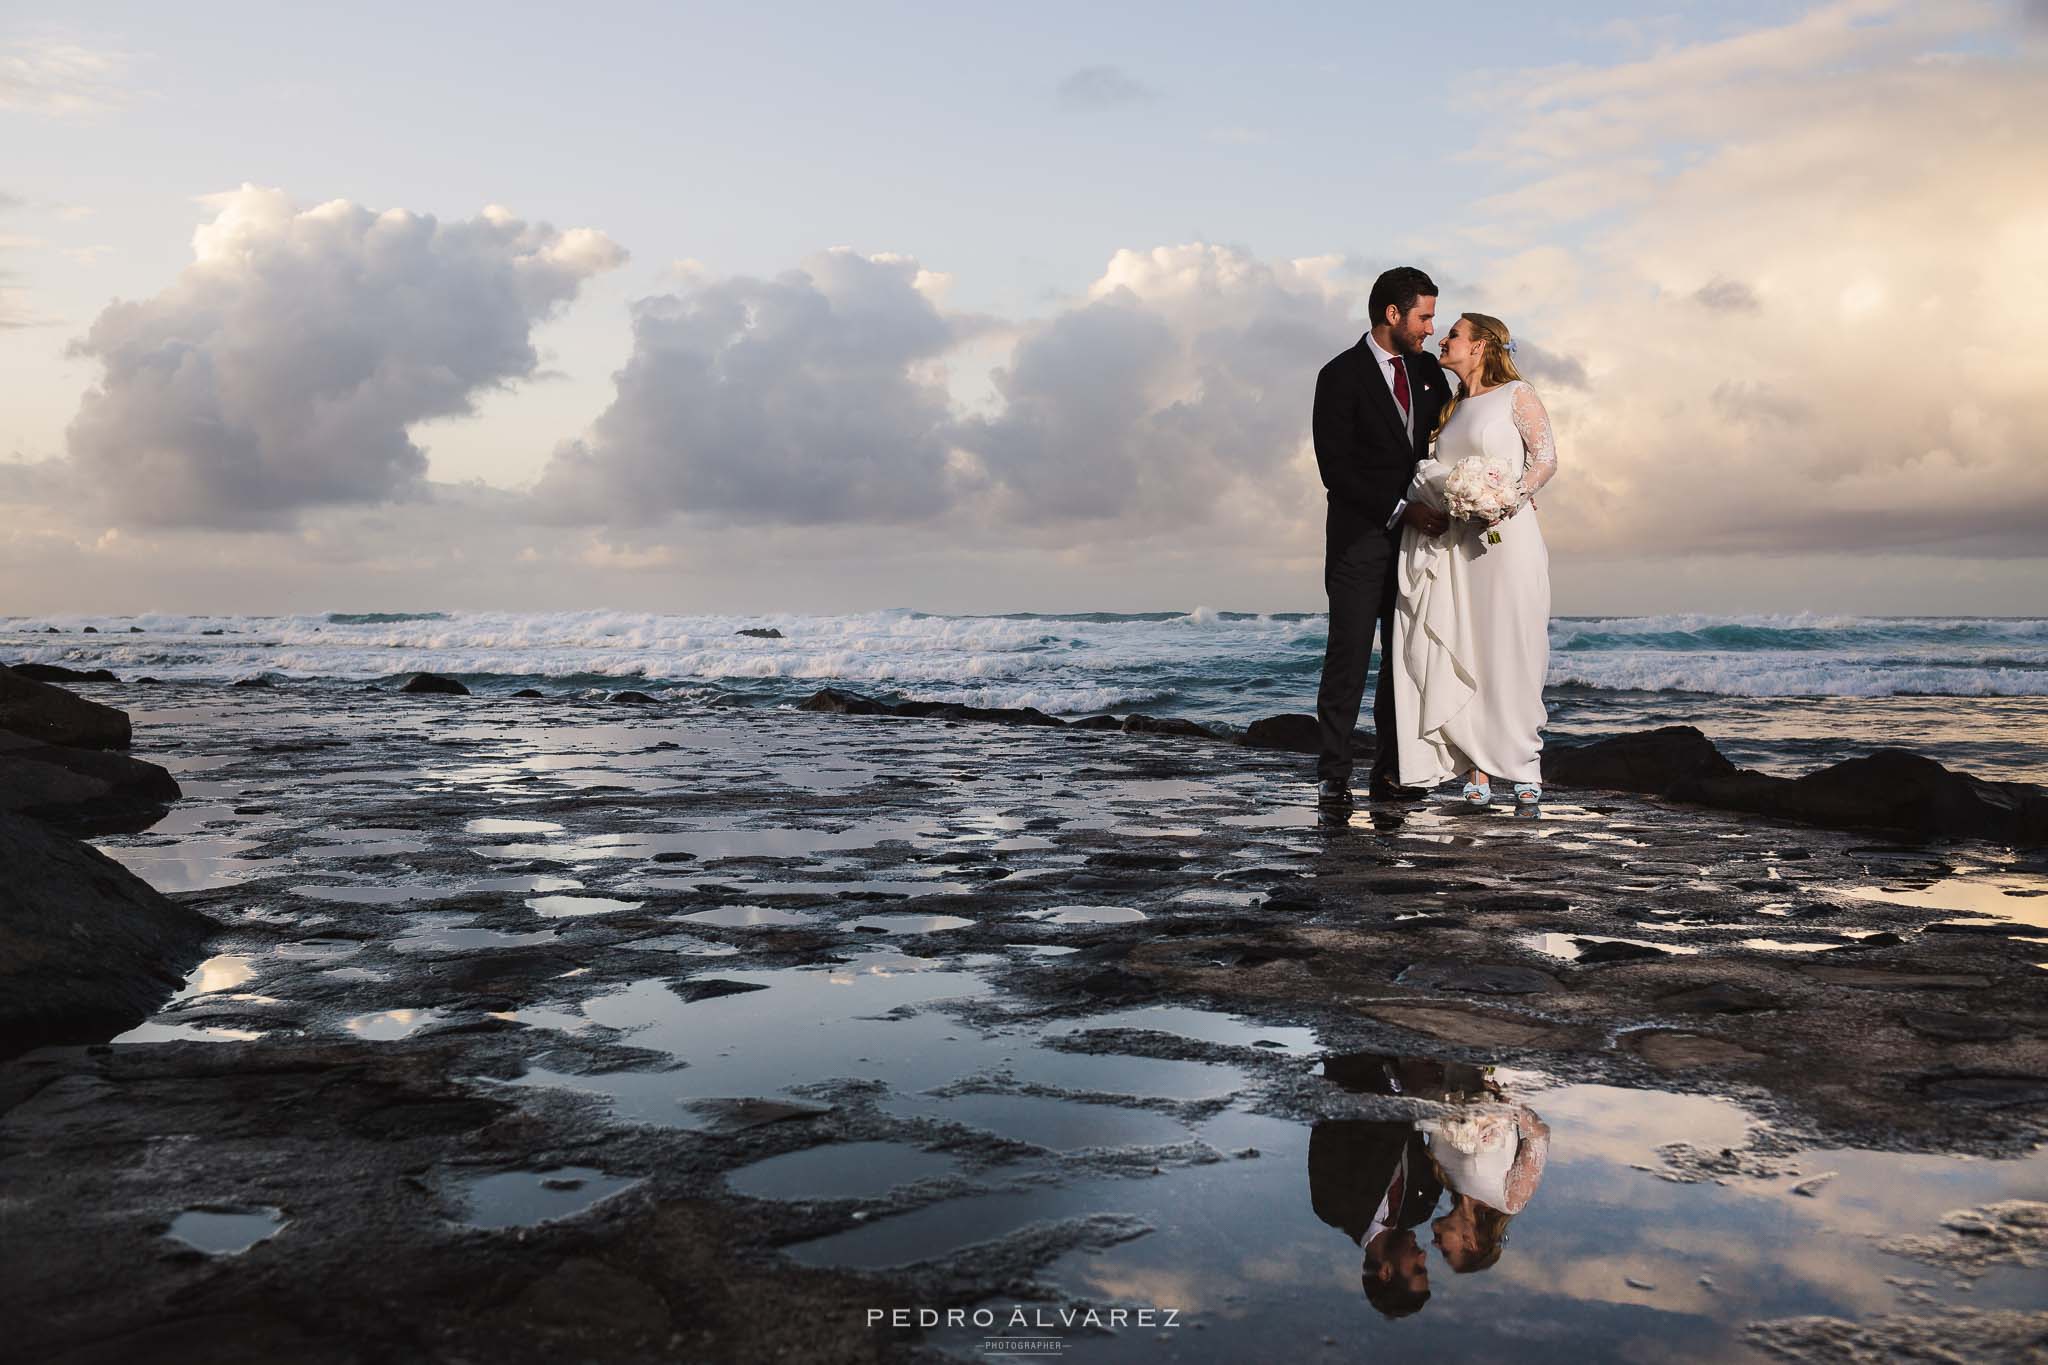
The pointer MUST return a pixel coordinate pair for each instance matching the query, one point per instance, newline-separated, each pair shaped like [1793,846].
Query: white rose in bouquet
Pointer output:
[1483,488]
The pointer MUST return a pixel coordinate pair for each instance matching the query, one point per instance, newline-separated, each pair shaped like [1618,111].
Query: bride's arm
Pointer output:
[1539,449]
[1427,487]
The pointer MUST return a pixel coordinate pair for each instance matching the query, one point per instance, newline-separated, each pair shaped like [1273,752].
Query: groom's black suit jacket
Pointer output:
[1365,456]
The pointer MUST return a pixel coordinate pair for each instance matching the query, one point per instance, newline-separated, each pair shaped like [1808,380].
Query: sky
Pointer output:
[835,308]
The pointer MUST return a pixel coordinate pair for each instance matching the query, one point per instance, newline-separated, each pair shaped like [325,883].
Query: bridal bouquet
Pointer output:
[1483,488]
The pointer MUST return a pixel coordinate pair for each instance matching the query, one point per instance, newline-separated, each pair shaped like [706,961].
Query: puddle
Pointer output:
[386,1025]
[373,895]
[2013,897]
[1566,947]
[746,916]
[433,938]
[1061,1125]
[1522,1221]
[522,1199]
[491,824]
[317,949]
[840,1170]
[1117,1074]
[909,924]
[222,973]
[868,1019]
[1206,1026]
[1773,945]
[226,1233]
[1086,914]
[560,907]
[150,1031]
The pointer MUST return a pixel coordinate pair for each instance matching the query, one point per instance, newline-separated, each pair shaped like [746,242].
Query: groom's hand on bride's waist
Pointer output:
[1426,519]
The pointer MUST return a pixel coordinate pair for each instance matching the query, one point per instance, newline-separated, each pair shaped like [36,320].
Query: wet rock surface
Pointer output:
[1040,985]
[51,715]
[87,949]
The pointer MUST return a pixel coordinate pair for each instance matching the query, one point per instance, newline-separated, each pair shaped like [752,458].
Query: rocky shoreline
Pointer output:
[535,889]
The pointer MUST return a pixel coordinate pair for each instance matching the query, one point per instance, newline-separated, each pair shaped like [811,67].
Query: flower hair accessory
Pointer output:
[1512,348]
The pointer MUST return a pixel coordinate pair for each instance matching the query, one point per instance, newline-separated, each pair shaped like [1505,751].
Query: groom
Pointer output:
[1376,405]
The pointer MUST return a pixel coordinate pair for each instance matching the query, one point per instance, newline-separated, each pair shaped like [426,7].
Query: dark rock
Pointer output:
[1114,983]
[59,673]
[1175,726]
[1977,930]
[675,856]
[1593,952]
[92,630]
[835,702]
[1298,734]
[1947,1026]
[1516,902]
[1652,761]
[435,685]
[135,630]
[215,631]
[739,1115]
[711,988]
[86,790]
[1721,997]
[258,681]
[87,949]
[1883,940]
[832,701]
[529,692]
[1893,789]
[1478,978]
[761,633]
[54,716]
[636,698]
[1097,723]
[1990,1090]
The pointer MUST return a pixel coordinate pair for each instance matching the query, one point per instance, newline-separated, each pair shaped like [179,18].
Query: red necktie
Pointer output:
[1401,385]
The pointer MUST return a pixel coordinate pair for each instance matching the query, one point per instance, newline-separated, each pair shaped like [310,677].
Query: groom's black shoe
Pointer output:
[1384,790]
[1332,793]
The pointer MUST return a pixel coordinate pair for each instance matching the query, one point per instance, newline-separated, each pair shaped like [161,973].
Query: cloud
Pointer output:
[1103,87]
[808,398]
[1727,296]
[56,77]
[1178,394]
[1867,194]
[282,368]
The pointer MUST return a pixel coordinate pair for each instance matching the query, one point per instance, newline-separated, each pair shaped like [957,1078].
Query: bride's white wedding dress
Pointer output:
[1472,626]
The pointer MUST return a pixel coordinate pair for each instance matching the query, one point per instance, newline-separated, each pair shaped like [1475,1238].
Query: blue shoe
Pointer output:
[1477,793]
[1527,793]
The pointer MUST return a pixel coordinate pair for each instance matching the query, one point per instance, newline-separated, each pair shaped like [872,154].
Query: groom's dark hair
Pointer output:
[1399,287]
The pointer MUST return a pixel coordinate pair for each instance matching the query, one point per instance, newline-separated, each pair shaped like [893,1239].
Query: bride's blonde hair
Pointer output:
[1496,362]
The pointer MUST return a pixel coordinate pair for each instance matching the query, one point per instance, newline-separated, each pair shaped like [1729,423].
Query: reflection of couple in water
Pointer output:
[1379,1181]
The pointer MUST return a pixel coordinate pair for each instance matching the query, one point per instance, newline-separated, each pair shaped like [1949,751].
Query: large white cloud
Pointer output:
[812,397]
[1818,322]
[1177,394]
[283,367]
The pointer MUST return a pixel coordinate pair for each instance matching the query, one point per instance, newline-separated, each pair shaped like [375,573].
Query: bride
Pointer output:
[1471,628]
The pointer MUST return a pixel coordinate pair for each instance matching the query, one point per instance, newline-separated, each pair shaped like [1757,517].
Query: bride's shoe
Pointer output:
[1527,793]
[1477,793]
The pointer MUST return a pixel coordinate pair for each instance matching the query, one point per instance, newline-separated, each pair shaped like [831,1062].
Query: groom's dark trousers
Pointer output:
[1366,456]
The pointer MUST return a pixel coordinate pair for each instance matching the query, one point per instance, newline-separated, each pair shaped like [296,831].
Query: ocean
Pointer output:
[1784,693]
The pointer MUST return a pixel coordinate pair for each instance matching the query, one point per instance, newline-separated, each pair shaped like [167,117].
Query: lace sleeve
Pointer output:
[1539,450]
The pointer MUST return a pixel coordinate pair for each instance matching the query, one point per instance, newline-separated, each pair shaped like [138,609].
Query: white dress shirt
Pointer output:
[1388,360]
